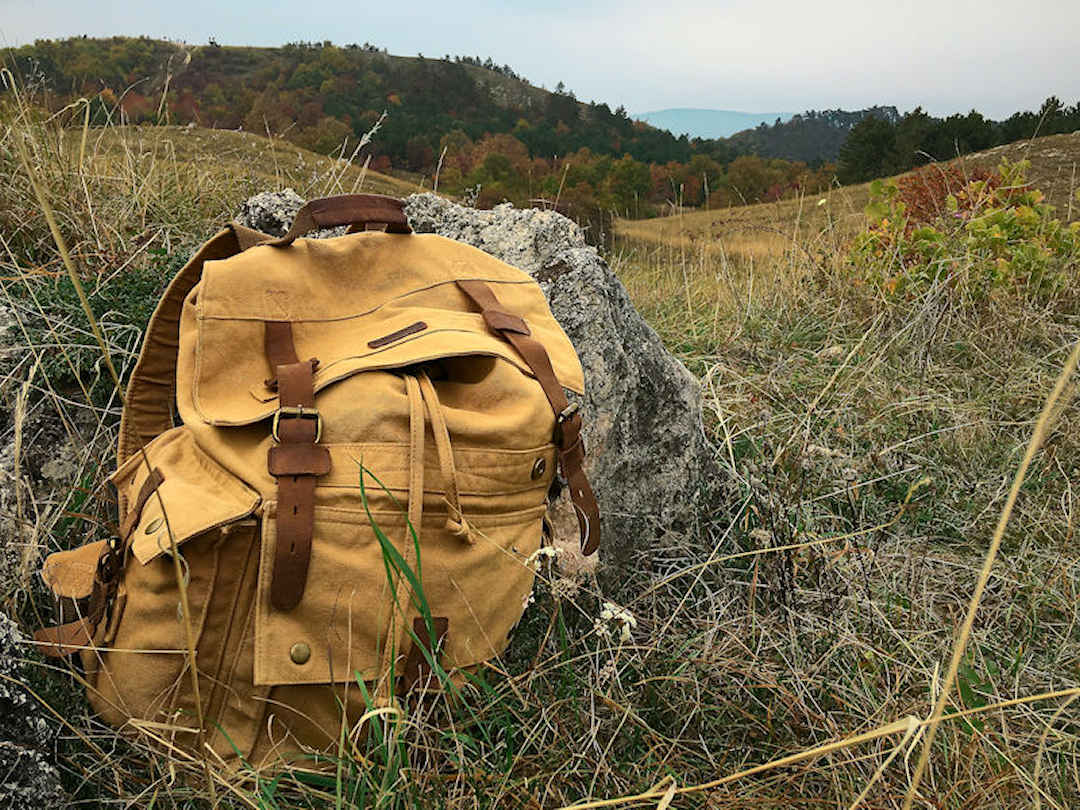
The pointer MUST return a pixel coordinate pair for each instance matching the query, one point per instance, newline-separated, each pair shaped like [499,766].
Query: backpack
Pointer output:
[342,449]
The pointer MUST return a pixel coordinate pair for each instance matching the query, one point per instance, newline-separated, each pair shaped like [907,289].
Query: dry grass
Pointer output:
[767,230]
[870,449]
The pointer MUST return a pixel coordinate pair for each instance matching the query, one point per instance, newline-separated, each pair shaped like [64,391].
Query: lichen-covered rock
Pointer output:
[648,457]
[28,779]
[271,212]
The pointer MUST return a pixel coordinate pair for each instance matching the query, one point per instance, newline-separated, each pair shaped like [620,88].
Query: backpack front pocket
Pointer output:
[174,499]
[351,622]
[339,629]
[195,494]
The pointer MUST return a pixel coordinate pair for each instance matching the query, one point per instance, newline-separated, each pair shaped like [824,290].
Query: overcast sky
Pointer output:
[752,55]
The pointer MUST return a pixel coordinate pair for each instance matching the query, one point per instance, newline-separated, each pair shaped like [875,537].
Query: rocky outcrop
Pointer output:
[648,457]
[28,779]
[270,212]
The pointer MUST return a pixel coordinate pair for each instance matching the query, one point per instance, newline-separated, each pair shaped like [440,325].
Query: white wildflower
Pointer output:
[536,559]
[612,614]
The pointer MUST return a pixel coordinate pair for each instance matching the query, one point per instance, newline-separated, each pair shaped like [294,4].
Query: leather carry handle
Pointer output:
[346,209]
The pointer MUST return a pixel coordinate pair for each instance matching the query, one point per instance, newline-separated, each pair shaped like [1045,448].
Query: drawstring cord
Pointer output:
[455,520]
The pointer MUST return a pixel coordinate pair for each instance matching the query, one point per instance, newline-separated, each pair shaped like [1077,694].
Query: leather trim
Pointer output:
[568,420]
[393,337]
[417,670]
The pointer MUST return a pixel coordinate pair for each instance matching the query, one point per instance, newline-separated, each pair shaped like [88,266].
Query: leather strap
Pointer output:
[296,461]
[417,667]
[149,487]
[278,344]
[62,640]
[568,439]
[346,209]
[280,349]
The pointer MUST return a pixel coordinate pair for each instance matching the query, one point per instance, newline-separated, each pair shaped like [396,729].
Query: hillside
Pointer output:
[811,137]
[318,94]
[475,129]
[767,229]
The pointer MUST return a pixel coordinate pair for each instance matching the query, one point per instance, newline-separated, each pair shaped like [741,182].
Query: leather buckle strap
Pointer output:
[295,460]
[567,434]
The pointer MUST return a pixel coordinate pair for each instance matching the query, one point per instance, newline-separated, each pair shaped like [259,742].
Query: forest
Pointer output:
[880,146]
[480,131]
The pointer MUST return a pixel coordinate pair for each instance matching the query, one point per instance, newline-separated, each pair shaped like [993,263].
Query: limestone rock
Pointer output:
[28,779]
[271,212]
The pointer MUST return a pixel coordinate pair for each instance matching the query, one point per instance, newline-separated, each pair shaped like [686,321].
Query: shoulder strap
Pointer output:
[151,389]
[567,439]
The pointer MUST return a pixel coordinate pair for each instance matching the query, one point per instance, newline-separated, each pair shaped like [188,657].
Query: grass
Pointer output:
[767,230]
[870,447]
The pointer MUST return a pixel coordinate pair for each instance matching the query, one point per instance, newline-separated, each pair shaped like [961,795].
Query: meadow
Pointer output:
[808,625]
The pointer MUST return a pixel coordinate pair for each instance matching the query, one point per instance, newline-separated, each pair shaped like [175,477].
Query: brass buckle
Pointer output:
[296,412]
[561,418]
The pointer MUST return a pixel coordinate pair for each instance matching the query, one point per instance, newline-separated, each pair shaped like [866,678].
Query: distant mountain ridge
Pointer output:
[708,123]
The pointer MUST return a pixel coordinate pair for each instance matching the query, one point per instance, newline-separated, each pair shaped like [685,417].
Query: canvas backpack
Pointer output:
[334,462]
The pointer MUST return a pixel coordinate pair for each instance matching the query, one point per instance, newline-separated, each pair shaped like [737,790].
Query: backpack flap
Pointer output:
[357,303]
[197,493]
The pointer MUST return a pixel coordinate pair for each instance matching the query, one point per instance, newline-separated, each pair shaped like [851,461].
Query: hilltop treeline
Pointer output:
[814,137]
[318,93]
[881,146]
[484,129]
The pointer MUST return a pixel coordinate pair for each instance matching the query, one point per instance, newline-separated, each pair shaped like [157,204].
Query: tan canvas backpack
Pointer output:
[311,424]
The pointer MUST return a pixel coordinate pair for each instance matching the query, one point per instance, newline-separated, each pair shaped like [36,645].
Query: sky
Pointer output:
[751,55]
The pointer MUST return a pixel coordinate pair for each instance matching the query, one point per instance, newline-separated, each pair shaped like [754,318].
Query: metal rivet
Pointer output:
[300,653]
[154,525]
[539,468]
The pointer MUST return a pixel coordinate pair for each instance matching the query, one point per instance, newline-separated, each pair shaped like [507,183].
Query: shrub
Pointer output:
[925,193]
[973,233]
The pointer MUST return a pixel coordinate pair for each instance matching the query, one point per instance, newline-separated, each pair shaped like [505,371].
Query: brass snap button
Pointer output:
[539,468]
[300,653]
[154,525]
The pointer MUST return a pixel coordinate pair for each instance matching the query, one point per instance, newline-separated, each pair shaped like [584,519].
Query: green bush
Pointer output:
[991,234]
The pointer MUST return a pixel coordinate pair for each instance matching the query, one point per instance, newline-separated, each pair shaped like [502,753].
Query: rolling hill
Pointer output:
[767,229]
